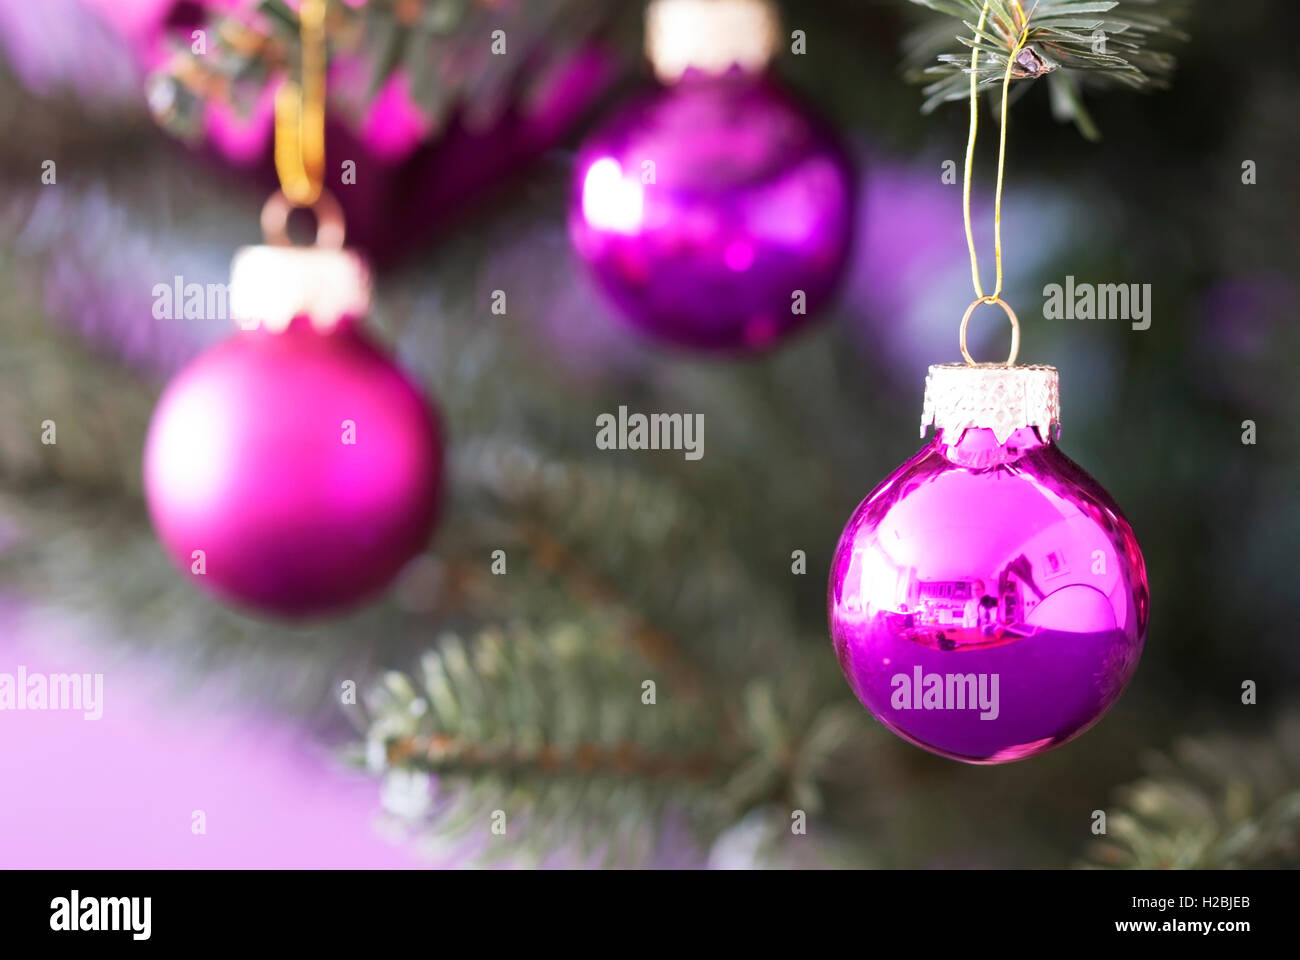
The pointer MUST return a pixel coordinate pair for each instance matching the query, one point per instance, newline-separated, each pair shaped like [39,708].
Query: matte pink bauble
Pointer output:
[293,472]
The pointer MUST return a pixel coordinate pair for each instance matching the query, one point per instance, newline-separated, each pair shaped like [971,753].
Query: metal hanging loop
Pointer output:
[1015,328]
[329,220]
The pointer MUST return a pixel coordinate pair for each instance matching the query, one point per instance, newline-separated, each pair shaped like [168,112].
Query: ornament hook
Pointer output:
[1015,328]
[329,220]
[300,114]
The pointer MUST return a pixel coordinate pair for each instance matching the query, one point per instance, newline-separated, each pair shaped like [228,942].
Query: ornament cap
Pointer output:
[710,36]
[274,282]
[271,284]
[994,396]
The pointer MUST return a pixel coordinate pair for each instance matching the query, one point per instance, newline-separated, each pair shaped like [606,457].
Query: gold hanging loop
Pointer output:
[1015,328]
[300,114]
[330,230]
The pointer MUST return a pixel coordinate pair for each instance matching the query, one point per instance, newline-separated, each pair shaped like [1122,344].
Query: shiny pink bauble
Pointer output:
[304,465]
[743,231]
[988,601]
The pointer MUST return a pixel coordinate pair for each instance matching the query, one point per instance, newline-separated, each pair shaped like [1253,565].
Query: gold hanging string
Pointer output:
[300,114]
[996,296]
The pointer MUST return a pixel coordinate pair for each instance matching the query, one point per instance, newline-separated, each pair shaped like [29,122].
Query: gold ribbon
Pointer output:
[300,114]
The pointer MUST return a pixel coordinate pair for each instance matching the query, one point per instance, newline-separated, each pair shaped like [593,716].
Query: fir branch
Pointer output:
[442,44]
[1221,803]
[1071,42]
[624,758]
[548,726]
[576,518]
[588,587]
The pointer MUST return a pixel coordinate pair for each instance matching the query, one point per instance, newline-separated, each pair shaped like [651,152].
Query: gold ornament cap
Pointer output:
[995,396]
[711,36]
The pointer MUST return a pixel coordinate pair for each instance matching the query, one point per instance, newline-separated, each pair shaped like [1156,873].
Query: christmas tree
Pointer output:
[623,654]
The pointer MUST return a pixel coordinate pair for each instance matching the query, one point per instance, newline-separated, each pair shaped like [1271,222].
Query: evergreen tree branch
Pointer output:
[443,45]
[1220,803]
[586,586]
[1087,42]
[517,720]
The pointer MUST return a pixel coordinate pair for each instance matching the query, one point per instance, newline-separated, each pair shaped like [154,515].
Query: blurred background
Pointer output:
[522,692]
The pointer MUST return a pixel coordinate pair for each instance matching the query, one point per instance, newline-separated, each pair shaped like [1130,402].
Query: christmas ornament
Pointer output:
[429,121]
[717,211]
[988,601]
[294,469]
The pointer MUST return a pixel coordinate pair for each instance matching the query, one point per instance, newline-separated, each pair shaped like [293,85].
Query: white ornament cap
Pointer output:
[711,36]
[994,396]
[270,285]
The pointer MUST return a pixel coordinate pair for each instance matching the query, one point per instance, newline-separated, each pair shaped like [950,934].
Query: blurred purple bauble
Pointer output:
[305,466]
[988,601]
[703,208]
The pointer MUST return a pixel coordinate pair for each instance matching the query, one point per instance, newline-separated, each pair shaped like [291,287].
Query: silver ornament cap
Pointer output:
[995,396]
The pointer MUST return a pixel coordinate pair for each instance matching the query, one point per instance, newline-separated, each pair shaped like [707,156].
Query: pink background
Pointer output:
[119,792]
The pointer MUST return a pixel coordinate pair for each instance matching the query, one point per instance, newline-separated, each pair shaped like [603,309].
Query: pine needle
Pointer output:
[1095,43]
